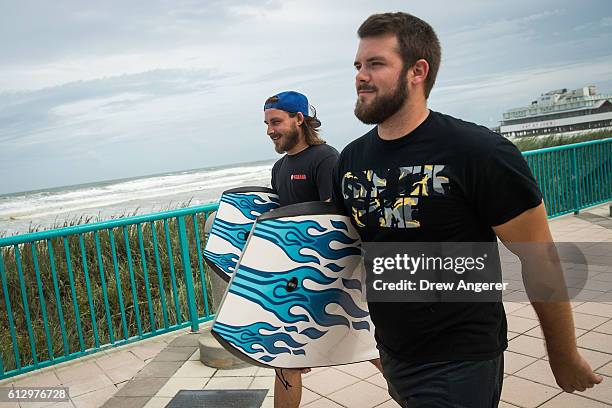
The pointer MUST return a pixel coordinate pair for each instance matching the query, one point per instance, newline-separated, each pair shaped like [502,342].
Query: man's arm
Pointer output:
[571,371]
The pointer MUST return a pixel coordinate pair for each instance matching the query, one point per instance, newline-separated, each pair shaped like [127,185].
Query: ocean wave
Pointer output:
[157,189]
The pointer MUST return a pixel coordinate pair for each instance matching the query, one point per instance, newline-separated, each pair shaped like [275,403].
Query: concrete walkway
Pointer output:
[149,373]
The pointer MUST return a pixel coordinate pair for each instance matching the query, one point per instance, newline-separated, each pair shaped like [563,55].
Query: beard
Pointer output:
[382,107]
[288,140]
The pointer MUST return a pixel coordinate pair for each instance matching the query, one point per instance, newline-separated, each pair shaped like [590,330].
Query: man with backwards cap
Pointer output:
[303,174]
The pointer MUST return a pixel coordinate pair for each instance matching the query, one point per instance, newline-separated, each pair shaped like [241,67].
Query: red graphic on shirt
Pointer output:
[298,177]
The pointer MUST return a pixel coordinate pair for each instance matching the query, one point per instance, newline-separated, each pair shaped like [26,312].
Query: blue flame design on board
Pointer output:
[312,333]
[235,234]
[226,262]
[351,283]
[269,290]
[249,204]
[339,225]
[246,337]
[334,267]
[361,326]
[292,236]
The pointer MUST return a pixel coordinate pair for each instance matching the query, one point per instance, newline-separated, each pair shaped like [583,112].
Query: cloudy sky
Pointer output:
[92,92]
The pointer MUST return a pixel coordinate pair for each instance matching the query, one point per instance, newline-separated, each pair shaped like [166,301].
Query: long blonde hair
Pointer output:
[310,127]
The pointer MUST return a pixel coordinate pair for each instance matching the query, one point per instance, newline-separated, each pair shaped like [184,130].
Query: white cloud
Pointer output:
[145,87]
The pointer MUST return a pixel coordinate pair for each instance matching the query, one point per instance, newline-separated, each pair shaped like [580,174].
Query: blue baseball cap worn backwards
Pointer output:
[289,101]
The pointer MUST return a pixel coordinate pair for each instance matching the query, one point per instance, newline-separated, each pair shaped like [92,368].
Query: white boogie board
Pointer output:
[295,298]
[238,210]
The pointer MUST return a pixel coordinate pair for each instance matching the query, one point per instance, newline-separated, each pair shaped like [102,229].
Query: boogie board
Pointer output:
[238,210]
[295,298]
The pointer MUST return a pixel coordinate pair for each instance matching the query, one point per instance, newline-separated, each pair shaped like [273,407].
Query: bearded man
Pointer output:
[423,176]
[304,172]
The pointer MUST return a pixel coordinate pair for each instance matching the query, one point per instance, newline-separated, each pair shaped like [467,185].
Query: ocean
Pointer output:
[54,208]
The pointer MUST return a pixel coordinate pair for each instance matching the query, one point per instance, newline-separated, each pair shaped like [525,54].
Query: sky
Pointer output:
[92,92]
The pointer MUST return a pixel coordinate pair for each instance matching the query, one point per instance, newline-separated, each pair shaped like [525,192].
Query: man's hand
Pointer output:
[573,373]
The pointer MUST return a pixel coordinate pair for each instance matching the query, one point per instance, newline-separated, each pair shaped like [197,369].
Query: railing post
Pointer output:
[575,177]
[184,244]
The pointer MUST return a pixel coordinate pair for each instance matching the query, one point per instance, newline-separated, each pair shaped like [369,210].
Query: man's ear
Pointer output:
[418,72]
[300,118]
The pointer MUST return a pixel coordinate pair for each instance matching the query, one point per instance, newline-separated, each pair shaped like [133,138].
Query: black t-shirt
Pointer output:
[305,176]
[446,181]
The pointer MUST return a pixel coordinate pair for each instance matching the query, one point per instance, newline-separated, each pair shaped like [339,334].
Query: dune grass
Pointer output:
[540,142]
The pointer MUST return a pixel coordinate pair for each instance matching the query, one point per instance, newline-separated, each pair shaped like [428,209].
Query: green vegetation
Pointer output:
[167,266]
[540,142]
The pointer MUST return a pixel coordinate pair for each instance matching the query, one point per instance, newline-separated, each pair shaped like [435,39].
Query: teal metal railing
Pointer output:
[574,176]
[74,291]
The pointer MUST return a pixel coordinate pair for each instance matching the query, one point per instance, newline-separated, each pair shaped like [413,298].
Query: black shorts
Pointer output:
[444,384]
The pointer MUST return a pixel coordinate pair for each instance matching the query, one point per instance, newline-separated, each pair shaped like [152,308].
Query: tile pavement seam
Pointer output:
[596,220]
[597,332]
[350,385]
[517,375]
[359,378]
[98,365]
[329,399]
[597,351]
[530,336]
[346,386]
[90,392]
[167,378]
[524,317]
[528,365]
[207,381]
[554,396]
[358,383]
[522,378]
[314,392]
[336,402]
[591,398]
[590,314]
[374,375]
[526,355]
[599,325]
[381,404]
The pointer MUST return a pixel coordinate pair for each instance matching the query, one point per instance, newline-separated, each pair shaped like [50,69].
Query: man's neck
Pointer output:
[301,146]
[404,121]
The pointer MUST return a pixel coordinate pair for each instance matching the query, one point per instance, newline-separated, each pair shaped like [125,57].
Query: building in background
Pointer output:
[560,112]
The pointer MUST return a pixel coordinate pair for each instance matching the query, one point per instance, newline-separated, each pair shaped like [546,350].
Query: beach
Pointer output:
[53,208]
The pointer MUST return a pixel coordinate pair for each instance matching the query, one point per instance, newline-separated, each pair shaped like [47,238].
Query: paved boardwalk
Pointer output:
[149,373]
